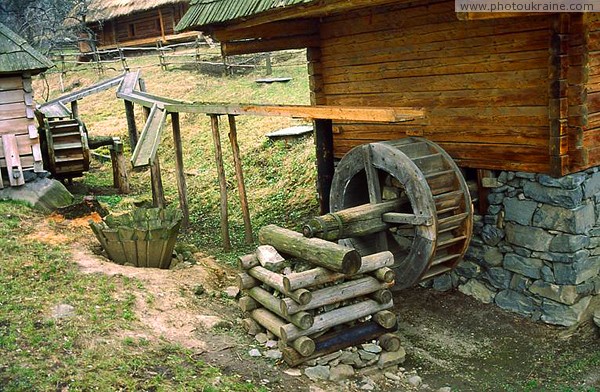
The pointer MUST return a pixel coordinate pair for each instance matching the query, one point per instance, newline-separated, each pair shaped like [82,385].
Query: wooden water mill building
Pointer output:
[20,145]
[514,99]
[134,23]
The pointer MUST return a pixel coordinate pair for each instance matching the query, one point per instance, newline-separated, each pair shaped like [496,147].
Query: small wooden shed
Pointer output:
[20,146]
[133,23]
[501,91]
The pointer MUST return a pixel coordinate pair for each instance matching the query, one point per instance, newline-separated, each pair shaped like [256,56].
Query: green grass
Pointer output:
[83,352]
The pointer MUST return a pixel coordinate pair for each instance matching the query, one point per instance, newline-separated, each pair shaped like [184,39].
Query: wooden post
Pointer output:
[315,250]
[120,178]
[131,127]
[214,122]
[269,66]
[324,145]
[158,194]
[239,175]
[181,185]
[75,109]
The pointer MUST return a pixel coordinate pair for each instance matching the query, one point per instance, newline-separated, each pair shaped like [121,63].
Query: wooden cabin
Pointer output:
[134,23]
[513,92]
[20,146]
[513,98]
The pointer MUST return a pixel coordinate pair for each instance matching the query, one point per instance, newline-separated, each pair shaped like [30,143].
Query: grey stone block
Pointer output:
[515,302]
[565,315]
[528,176]
[568,198]
[493,257]
[468,269]
[442,283]
[571,181]
[525,266]
[43,194]
[492,235]
[478,290]
[495,198]
[519,211]
[519,282]
[564,294]
[528,237]
[592,185]
[575,221]
[563,257]
[498,277]
[548,274]
[569,243]
[577,272]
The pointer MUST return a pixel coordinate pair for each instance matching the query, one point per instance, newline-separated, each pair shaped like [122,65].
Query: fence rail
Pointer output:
[198,54]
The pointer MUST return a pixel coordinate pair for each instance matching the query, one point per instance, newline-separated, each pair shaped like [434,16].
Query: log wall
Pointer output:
[484,83]
[140,25]
[19,139]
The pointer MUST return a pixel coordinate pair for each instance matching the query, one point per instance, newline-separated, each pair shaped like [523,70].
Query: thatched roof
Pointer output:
[16,55]
[101,10]
[211,12]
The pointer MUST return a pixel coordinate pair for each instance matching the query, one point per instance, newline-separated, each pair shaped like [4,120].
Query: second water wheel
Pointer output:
[65,147]
[425,208]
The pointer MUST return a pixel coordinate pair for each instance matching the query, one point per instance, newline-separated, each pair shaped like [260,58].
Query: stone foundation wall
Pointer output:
[536,251]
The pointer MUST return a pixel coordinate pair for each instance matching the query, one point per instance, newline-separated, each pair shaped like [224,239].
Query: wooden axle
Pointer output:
[320,252]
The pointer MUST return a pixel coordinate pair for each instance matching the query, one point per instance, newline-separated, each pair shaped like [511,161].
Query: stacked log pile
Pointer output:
[321,297]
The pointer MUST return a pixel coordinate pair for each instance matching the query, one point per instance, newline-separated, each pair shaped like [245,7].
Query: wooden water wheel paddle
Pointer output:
[424,214]
[65,147]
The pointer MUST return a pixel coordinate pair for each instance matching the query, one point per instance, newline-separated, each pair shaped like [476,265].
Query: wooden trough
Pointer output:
[143,238]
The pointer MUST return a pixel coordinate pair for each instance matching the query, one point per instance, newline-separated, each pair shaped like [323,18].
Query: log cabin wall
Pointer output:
[18,131]
[484,83]
[139,25]
[585,54]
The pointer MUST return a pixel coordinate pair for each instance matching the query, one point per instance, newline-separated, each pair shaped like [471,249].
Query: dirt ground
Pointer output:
[450,339]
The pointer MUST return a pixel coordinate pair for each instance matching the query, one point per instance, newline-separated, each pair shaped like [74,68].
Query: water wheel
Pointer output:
[65,147]
[430,228]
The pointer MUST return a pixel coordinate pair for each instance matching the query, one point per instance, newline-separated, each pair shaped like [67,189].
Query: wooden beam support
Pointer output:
[232,48]
[239,175]
[270,30]
[181,185]
[214,122]
[323,130]
[119,166]
[131,126]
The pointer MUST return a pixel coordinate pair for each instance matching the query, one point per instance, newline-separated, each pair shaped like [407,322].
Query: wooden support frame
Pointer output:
[239,175]
[323,131]
[181,185]
[214,125]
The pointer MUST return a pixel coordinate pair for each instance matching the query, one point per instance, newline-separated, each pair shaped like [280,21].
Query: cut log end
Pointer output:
[385,274]
[351,263]
[304,345]
[385,318]
[390,342]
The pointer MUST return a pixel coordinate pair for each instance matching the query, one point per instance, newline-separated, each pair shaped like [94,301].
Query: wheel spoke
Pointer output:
[374,192]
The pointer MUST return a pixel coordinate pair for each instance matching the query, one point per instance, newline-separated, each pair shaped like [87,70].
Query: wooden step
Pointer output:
[435,271]
[430,163]
[63,129]
[55,135]
[445,258]
[68,159]
[447,210]
[451,221]
[67,146]
[439,173]
[449,199]
[415,150]
[446,243]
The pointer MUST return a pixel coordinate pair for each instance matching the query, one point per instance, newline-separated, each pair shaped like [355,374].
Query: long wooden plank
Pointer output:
[12,160]
[11,83]
[12,96]
[24,144]
[15,126]
[12,110]
[147,146]
[128,82]
[90,90]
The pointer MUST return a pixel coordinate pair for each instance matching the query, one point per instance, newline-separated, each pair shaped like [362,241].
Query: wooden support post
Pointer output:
[214,122]
[158,194]
[119,166]
[131,127]
[324,145]
[75,109]
[181,185]
[268,65]
[239,175]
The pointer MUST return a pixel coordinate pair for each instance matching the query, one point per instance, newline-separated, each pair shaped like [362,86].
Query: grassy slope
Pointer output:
[80,353]
[280,178]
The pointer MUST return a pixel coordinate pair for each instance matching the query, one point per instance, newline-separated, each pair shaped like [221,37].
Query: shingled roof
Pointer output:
[102,10]
[212,12]
[16,55]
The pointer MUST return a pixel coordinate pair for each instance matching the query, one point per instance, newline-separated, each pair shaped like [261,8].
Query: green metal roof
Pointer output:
[16,55]
[210,12]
